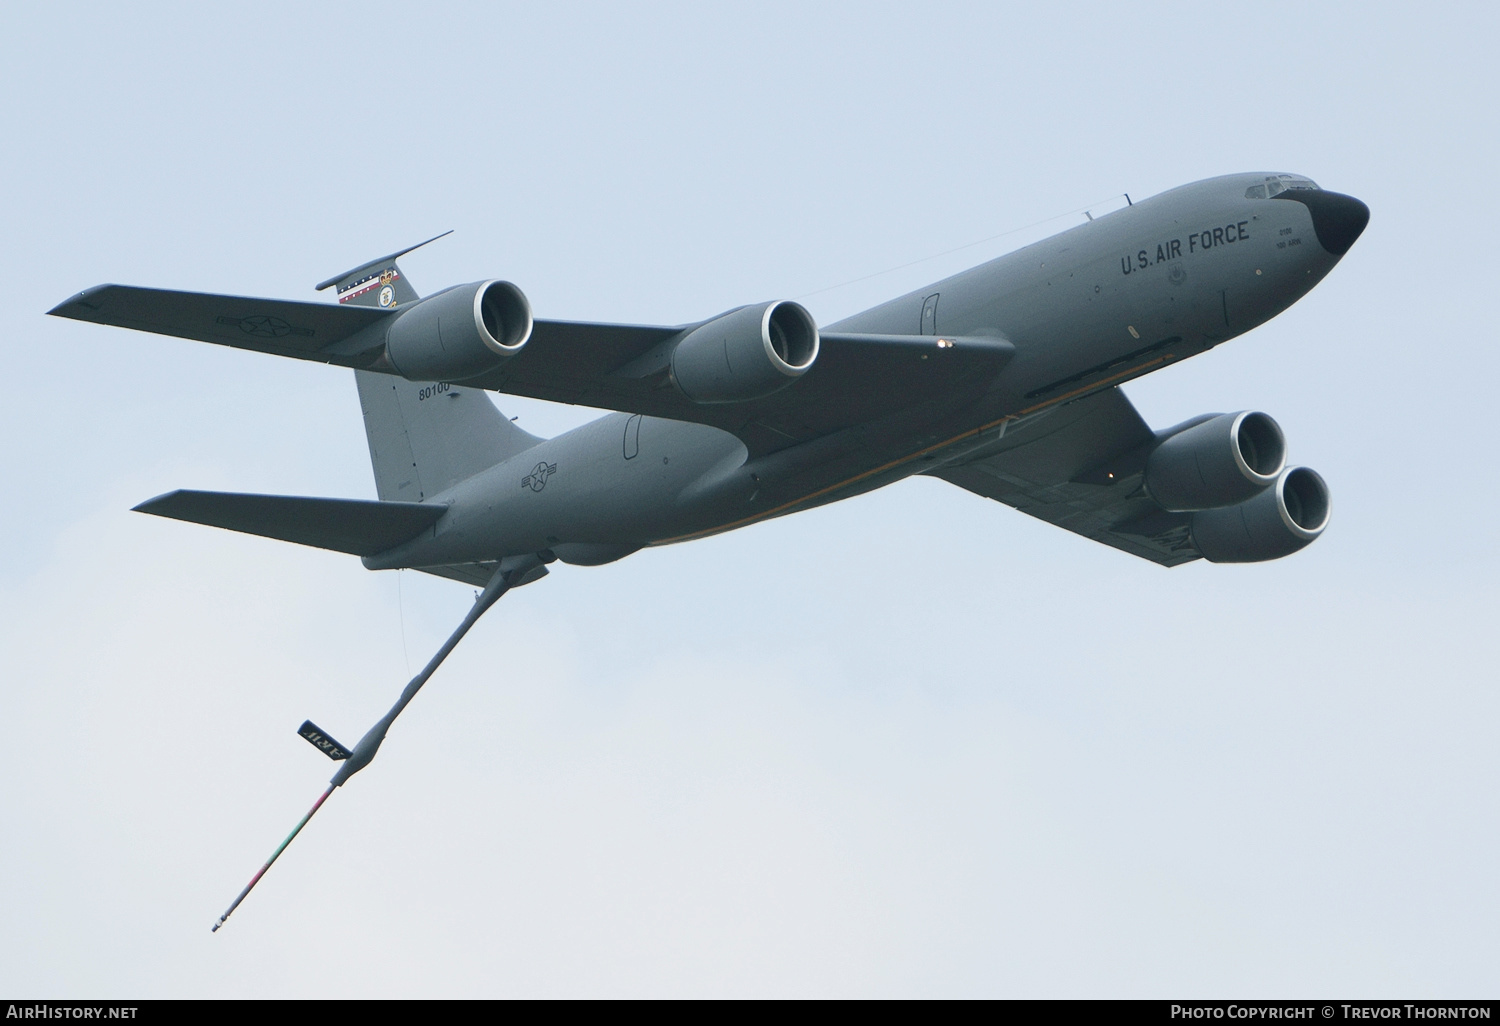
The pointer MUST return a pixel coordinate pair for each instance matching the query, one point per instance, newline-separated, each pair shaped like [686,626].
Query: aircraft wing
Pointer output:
[857,378]
[277,326]
[1079,466]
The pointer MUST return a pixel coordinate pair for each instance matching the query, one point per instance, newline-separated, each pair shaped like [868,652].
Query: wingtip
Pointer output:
[151,504]
[70,307]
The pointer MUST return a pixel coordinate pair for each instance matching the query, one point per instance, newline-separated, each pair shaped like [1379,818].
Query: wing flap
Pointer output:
[357,526]
[575,362]
[1079,467]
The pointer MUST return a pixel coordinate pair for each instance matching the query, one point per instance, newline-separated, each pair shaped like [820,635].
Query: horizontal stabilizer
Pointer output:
[356,526]
[373,265]
[322,742]
[277,326]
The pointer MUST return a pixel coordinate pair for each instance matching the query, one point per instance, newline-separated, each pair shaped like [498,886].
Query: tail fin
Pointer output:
[423,437]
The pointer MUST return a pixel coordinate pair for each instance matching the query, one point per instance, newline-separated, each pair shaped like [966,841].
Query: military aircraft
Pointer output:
[1003,380]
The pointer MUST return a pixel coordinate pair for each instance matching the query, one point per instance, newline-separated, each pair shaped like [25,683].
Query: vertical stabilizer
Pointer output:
[424,437]
[427,437]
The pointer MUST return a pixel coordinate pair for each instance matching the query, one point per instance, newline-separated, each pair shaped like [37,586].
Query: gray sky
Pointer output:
[911,744]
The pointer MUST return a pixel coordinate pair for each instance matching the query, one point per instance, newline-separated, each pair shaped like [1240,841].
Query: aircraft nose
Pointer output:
[1337,219]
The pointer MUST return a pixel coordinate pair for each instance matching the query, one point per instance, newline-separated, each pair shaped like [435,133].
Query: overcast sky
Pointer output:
[911,744]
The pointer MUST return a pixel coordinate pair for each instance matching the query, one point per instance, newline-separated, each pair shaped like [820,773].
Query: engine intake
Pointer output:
[459,332]
[1219,462]
[745,354]
[1275,523]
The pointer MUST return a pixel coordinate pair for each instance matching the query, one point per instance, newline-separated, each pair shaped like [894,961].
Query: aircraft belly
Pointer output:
[578,488]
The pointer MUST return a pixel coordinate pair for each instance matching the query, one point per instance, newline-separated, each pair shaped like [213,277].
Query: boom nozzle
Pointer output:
[274,856]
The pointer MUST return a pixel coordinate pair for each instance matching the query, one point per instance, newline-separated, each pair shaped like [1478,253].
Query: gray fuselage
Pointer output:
[1110,300]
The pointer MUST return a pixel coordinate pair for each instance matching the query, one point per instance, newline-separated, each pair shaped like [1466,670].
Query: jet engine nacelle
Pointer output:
[1275,523]
[1220,462]
[745,354]
[459,332]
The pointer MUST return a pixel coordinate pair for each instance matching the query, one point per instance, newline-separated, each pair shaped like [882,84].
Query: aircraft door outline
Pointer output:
[928,323]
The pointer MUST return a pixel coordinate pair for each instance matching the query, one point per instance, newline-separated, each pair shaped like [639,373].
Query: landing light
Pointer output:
[945,343]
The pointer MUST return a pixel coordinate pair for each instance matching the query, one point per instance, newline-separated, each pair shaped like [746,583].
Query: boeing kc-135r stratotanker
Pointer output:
[1003,380]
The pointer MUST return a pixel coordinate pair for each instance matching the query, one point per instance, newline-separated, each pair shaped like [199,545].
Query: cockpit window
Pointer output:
[1276,184]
